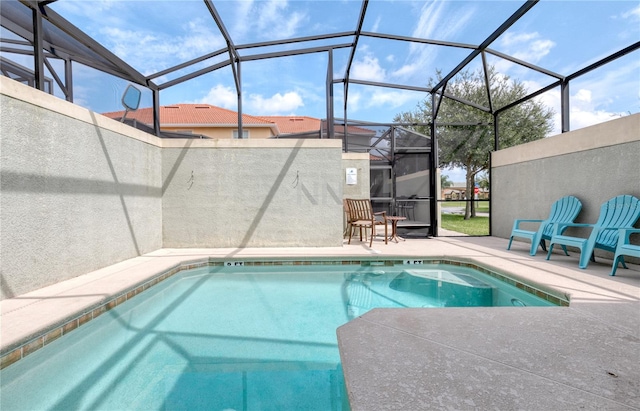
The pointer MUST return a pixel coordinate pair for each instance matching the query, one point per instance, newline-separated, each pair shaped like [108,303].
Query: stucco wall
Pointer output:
[594,164]
[252,193]
[76,195]
[361,162]
[79,191]
[224,132]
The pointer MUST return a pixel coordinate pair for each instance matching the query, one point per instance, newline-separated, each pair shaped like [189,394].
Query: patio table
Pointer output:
[394,227]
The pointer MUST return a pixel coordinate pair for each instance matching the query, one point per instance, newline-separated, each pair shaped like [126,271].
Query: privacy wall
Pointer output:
[252,193]
[76,193]
[594,164]
[79,191]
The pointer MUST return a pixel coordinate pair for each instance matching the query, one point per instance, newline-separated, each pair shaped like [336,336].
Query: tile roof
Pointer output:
[203,115]
[294,124]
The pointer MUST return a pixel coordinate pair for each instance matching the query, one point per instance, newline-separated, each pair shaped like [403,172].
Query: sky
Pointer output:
[560,36]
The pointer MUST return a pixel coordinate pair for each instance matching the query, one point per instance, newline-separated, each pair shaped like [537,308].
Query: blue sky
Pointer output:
[561,36]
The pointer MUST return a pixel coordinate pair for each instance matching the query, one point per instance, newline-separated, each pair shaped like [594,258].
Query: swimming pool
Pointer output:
[233,338]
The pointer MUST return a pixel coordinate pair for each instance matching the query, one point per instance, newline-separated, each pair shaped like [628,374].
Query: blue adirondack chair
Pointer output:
[625,248]
[619,212]
[565,210]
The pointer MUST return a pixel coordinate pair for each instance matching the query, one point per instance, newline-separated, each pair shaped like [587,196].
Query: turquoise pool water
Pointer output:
[240,338]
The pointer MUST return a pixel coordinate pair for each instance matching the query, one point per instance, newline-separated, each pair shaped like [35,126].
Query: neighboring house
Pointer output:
[203,119]
[300,126]
[359,138]
[453,193]
[457,192]
[219,123]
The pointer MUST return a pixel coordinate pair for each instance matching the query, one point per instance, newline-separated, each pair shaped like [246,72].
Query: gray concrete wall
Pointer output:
[361,162]
[594,164]
[76,193]
[79,191]
[252,193]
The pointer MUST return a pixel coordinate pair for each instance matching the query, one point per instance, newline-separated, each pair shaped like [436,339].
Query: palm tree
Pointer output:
[483,181]
[444,181]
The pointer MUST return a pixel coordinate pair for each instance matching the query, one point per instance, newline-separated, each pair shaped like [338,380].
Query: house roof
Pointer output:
[206,115]
[201,115]
[307,125]
[294,124]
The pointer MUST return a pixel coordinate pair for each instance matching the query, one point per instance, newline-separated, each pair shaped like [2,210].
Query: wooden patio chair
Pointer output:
[564,210]
[348,218]
[619,212]
[363,217]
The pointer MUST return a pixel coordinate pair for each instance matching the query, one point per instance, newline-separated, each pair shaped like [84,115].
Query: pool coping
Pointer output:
[601,308]
[28,343]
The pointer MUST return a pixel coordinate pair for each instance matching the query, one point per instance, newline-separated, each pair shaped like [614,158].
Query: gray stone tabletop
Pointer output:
[533,358]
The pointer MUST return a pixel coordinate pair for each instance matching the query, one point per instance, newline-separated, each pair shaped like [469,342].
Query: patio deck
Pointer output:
[582,357]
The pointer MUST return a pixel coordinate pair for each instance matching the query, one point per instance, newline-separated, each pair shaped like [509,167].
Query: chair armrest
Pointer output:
[382,213]
[516,223]
[560,227]
[625,234]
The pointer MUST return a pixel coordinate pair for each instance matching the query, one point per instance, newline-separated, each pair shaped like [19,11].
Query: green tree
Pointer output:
[483,180]
[466,135]
[444,181]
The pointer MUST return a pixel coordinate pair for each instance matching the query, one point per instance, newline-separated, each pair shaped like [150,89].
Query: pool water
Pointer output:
[241,338]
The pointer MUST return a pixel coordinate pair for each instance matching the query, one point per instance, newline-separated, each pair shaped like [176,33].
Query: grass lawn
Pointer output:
[473,226]
[481,206]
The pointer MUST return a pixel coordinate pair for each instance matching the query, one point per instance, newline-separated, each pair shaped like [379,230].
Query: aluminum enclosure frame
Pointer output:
[50,36]
[65,41]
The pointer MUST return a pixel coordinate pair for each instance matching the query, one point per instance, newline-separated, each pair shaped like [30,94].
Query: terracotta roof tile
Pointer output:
[190,114]
[294,124]
[205,115]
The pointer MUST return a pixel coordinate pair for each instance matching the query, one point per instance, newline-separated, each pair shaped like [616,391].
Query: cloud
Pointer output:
[243,9]
[153,51]
[221,96]
[455,174]
[529,47]
[93,8]
[272,19]
[387,99]
[284,104]
[376,24]
[633,14]
[143,43]
[435,21]
[353,105]
[585,109]
[510,39]
[407,70]
[630,20]
[390,99]
[254,104]
[367,68]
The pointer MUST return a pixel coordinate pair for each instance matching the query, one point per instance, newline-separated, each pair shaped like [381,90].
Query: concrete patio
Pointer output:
[582,357]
